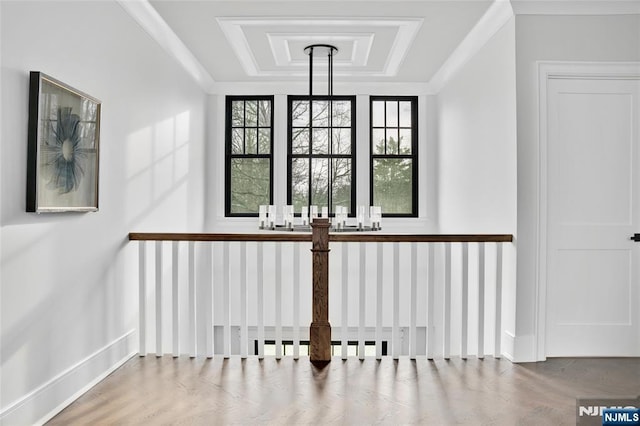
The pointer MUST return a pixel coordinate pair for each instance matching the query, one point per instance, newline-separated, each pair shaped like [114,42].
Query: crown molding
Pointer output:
[496,16]
[576,7]
[151,21]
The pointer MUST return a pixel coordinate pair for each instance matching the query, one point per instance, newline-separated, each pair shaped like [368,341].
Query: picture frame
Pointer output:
[63,147]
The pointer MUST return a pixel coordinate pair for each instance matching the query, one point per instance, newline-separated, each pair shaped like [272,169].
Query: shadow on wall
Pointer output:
[157,170]
[66,278]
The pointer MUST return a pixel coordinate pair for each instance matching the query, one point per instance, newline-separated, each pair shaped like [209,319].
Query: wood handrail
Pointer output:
[421,238]
[375,237]
[164,236]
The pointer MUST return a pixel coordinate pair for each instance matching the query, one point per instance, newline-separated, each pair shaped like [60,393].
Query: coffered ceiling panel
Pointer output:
[275,46]
[393,41]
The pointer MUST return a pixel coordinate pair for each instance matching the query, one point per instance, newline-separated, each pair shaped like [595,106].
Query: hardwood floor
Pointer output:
[184,391]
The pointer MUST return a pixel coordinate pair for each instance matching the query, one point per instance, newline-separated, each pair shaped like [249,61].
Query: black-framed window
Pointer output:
[249,154]
[394,155]
[321,152]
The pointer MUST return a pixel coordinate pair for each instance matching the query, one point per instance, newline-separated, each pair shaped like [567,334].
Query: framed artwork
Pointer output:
[63,147]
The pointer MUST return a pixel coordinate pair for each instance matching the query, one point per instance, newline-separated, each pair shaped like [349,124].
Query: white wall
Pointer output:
[69,296]
[477,154]
[477,141]
[551,38]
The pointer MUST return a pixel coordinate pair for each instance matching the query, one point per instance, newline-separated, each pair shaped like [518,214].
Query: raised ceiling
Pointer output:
[239,44]
[387,41]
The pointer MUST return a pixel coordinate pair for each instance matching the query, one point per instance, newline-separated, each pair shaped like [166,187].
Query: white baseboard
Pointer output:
[41,404]
[520,348]
[508,349]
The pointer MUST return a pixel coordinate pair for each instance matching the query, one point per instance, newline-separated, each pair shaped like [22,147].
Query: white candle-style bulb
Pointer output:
[325,211]
[262,216]
[272,216]
[313,213]
[288,214]
[304,215]
[374,214]
[361,210]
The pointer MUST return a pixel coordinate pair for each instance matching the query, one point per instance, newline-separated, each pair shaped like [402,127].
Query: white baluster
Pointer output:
[465,301]
[414,301]
[430,299]
[208,309]
[497,352]
[296,300]
[379,307]
[175,299]
[226,326]
[345,299]
[396,301]
[361,319]
[481,300]
[447,302]
[260,299]
[142,296]
[278,300]
[158,298]
[244,332]
[192,300]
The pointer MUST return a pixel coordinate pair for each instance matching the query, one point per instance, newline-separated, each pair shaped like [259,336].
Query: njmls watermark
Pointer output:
[608,411]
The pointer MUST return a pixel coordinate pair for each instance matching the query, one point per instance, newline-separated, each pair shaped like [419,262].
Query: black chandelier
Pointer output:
[329,50]
[268,218]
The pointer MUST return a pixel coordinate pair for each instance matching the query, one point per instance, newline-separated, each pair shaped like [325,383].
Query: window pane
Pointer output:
[405,141]
[392,178]
[320,142]
[300,114]
[313,178]
[249,184]
[392,114]
[378,141]
[264,141]
[237,113]
[319,182]
[320,112]
[392,141]
[251,141]
[342,141]
[341,183]
[264,113]
[300,143]
[300,182]
[251,113]
[378,114]
[237,145]
[341,114]
[405,114]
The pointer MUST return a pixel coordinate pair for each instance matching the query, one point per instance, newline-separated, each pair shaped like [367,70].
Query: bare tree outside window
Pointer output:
[321,151]
[249,146]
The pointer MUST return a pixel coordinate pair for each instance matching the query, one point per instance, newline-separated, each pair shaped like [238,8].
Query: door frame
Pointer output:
[548,70]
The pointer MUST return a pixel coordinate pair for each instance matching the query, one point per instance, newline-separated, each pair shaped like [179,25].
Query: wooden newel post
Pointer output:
[320,331]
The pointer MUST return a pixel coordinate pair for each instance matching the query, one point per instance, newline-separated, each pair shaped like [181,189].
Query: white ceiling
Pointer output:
[391,41]
[388,42]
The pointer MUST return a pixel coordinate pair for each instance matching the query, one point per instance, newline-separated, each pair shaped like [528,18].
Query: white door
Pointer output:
[593,187]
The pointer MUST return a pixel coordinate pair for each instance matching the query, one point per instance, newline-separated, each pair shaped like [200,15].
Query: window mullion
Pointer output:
[244,127]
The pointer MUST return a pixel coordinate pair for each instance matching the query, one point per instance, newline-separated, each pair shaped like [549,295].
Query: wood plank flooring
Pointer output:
[184,391]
